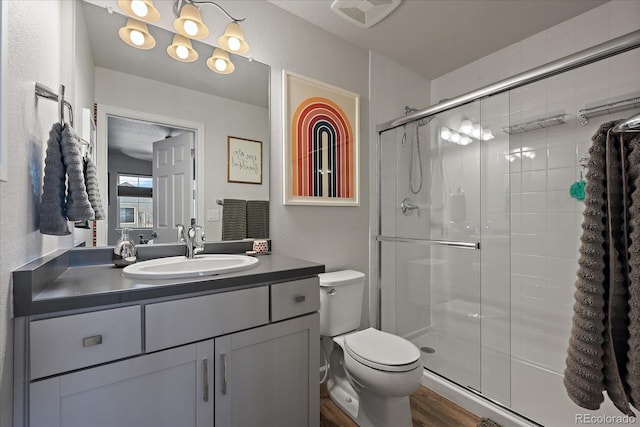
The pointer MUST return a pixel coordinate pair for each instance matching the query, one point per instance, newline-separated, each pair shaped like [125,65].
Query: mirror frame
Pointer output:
[101,148]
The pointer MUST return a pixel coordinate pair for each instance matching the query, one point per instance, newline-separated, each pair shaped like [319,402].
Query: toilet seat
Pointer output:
[382,351]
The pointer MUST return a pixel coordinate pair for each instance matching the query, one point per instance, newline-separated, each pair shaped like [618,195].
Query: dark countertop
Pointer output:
[70,280]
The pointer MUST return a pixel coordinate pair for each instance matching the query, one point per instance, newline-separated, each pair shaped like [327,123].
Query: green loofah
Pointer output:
[577,190]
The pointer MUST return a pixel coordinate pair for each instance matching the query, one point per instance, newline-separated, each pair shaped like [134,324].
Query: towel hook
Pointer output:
[61,105]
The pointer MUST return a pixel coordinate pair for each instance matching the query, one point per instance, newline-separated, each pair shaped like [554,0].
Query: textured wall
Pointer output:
[33,55]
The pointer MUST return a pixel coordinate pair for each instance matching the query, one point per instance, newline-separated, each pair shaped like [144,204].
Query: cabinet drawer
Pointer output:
[173,323]
[294,298]
[72,342]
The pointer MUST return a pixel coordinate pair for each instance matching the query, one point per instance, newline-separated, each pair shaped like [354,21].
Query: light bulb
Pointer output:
[220,64]
[487,135]
[234,43]
[445,133]
[465,140]
[190,27]
[476,131]
[139,8]
[136,37]
[455,137]
[466,127]
[182,52]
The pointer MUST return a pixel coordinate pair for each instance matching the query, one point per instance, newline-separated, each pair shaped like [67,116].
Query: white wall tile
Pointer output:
[533,223]
[561,201]
[562,156]
[561,178]
[534,202]
[561,269]
[592,27]
[534,181]
[533,160]
[624,16]
[563,246]
[561,223]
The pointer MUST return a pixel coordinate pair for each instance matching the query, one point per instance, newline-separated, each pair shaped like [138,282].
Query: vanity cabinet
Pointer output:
[164,389]
[241,358]
[268,376]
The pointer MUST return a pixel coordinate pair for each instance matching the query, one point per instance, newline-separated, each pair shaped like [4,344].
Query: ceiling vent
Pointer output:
[364,13]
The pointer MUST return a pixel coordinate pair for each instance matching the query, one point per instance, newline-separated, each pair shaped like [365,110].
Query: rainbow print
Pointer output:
[322,150]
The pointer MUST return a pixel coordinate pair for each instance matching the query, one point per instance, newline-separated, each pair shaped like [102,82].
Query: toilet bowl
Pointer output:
[371,373]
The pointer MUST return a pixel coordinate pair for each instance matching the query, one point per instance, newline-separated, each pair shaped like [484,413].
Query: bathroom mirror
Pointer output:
[145,96]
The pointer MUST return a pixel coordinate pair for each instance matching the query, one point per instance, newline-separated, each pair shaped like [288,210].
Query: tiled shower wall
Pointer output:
[545,220]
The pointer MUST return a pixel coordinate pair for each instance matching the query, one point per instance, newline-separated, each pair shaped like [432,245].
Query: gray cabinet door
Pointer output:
[268,376]
[168,388]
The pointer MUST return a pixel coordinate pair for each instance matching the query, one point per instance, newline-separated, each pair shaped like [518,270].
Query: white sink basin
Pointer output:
[178,267]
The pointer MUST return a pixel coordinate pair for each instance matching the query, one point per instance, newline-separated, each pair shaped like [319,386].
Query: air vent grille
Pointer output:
[364,13]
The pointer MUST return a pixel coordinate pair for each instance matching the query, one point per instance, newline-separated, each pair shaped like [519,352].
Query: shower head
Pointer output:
[408,110]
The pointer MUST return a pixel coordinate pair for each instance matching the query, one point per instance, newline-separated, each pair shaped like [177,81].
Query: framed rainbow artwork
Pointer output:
[321,143]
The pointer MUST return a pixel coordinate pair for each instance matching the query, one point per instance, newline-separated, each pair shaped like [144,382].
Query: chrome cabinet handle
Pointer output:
[300,298]
[224,373]
[91,341]
[205,375]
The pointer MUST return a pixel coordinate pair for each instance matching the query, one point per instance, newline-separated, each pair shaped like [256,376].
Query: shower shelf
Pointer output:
[555,120]
[610,107]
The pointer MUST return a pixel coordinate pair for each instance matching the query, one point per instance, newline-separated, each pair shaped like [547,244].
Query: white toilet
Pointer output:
[371,372]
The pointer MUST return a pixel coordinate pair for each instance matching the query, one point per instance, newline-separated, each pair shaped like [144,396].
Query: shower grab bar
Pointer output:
[430,242]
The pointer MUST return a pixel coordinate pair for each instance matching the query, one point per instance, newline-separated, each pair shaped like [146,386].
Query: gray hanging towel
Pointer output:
[593,358]
[53,216]
[78,205]
[616,306]
[234,219]
[258,219]
[93,191]
[583,376]
[632,380]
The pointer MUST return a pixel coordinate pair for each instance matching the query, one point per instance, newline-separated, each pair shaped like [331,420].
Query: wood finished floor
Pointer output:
[428,409]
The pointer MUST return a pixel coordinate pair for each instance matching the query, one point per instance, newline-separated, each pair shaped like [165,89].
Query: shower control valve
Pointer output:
[408,207]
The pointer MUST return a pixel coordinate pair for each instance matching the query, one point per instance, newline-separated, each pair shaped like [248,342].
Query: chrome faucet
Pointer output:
[193,237]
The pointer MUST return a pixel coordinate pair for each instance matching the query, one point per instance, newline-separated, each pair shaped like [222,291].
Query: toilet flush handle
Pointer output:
[332,292]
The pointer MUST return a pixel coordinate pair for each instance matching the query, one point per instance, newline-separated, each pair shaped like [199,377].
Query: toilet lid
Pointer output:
[382,350]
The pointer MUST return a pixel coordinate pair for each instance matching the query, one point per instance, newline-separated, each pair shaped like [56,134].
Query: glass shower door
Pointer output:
[430,223]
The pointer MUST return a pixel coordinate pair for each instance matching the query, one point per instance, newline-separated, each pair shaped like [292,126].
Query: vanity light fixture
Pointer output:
[188,25]
[143,10]
[220,63]
[136,34]
[181,49]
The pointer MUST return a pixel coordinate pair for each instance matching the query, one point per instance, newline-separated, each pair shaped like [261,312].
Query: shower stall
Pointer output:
[478,234]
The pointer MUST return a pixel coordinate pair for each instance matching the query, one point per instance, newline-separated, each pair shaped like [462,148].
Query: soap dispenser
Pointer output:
[124,252]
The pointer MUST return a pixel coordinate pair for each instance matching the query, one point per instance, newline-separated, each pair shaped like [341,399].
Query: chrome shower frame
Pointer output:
[584,57]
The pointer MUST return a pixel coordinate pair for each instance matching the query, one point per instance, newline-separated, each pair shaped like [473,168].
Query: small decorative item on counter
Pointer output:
[124,252]
[260,247]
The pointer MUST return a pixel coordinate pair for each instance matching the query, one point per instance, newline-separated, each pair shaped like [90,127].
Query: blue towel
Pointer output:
[78,205]
[52,207]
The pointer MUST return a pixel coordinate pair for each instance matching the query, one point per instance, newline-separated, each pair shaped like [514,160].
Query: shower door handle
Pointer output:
[430,242]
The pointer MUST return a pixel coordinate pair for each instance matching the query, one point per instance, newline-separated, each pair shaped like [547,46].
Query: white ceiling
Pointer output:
[434,37]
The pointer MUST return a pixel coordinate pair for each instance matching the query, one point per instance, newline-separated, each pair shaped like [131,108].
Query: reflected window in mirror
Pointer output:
[135,201]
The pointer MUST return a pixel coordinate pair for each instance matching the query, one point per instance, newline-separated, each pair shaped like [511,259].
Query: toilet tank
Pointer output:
[340,301]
